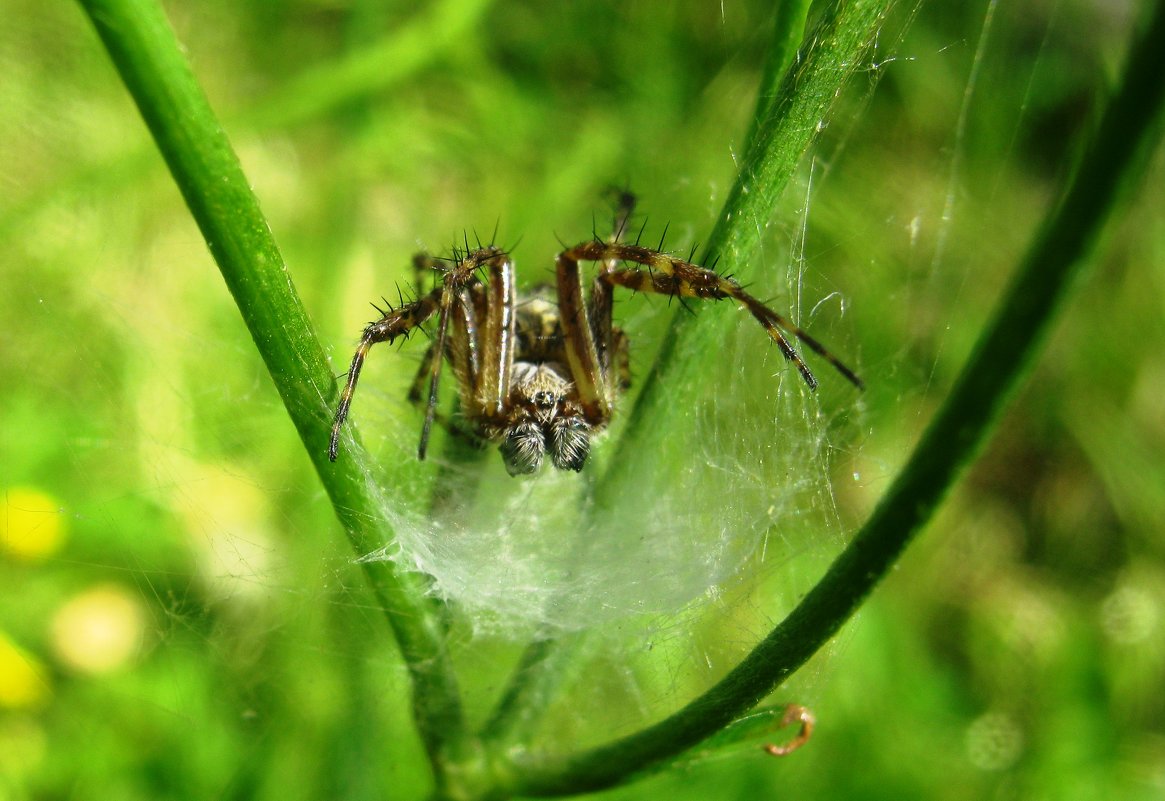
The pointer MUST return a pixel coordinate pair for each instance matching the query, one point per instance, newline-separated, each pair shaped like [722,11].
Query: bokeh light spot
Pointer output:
[98,630]
[31,526]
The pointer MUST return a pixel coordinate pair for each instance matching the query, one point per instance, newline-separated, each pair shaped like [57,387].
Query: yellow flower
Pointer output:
[32,526]
[23,680]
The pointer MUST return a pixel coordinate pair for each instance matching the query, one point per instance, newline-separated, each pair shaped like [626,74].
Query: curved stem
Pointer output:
[206,170]
[1115,157]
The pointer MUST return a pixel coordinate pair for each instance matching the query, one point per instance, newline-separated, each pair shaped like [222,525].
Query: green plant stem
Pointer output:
[543,668]
[790,125]
[206,170]
[538,674]
[788,31]
[1115,157]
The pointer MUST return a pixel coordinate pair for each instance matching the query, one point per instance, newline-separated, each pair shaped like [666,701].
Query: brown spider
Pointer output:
[534,375]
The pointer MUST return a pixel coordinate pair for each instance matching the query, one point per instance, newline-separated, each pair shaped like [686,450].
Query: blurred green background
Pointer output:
[179,615]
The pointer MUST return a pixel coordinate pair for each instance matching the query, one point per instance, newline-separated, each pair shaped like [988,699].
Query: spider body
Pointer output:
[542,414]
[539,374]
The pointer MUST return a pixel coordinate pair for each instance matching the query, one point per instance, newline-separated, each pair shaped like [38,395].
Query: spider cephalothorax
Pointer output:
[542,419]
[540,375]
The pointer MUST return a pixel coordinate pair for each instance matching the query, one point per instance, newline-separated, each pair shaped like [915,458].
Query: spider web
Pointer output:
[525,555]
[746,482]
[762,481]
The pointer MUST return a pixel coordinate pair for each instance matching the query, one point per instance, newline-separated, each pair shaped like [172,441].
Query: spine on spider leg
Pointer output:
[462,274]
[394,323]
[668,275]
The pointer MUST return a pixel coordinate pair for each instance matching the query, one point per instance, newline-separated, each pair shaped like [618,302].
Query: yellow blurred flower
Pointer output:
[98,630]
[31,524]
[23,679]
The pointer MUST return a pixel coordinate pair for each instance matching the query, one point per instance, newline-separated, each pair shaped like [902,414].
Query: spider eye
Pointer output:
[570,443]
[522,449]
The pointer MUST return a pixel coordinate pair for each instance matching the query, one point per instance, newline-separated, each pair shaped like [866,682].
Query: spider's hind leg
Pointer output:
[622,359]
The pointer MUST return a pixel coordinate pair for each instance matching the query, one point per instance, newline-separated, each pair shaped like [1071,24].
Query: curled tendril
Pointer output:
[793,713]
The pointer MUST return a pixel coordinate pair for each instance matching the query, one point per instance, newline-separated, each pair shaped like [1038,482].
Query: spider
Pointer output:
[540,374]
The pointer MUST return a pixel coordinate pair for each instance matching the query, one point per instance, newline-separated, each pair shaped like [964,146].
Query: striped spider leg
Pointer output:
[587,334]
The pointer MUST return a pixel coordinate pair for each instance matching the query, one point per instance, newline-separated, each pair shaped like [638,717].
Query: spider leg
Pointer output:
[663,283]
[464,351]
[667,275]
[417,389]
[611,344]
[498,338]
[601,303]
[457,279]
[622,355]
[454,424]
[395,323]
[580,339]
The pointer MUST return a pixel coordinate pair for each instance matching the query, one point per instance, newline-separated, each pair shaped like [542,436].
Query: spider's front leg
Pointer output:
[481,356]
[455,299]
[596,351]
[394,323]
[662,274]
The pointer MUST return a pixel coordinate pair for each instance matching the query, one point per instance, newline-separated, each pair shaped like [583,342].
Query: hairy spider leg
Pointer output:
[678,278]
[395,323]
[668,275]
[424,265]
[595,393]
[453,299]
[463,350]
[449,297]
[591,339]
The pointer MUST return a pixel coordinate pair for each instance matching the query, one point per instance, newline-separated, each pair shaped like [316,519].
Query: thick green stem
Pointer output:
[790,124]
[788,31]
[206,170]
[542,670]
[1115,157]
